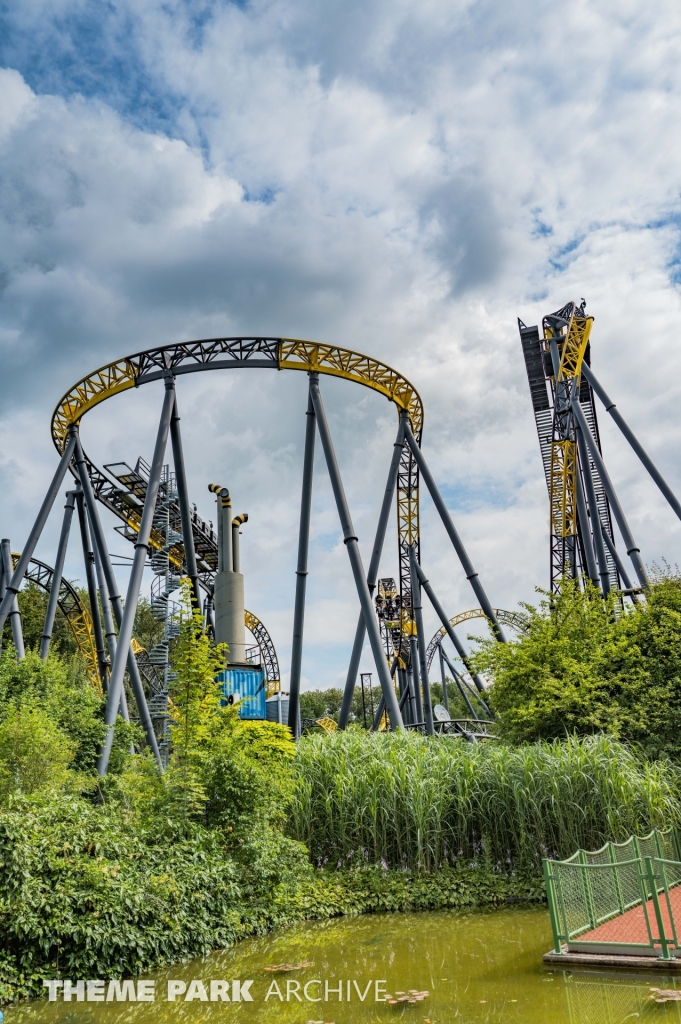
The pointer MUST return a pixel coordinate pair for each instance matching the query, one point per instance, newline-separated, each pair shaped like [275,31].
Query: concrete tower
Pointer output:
[229,582]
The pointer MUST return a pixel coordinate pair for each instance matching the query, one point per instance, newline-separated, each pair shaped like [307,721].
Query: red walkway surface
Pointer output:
[631,926]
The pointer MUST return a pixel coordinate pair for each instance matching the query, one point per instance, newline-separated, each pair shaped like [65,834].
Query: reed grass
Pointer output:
[405,801]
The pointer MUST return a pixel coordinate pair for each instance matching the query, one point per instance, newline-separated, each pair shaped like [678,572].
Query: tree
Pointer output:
[32,606]
[585,665]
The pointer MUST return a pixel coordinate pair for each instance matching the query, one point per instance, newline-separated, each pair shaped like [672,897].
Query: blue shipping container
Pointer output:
[247,685]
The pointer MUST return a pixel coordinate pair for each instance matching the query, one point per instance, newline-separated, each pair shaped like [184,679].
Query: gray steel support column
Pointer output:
[14,614]
[301,567]
[128,621]
[52,600]
[593,509]
[109,629]
[374,564]
[185,510]
[445,695]
[449,629]
[379,714]
[633,440]
[417,611]
[405,695]
[633,550]
[209,612]
[616,558]
[459,684]
[34,536]
[114,598]
[355,558]
[89,559]
[583,518]
[465,689]
[447,522]
[413,676]
[381,704]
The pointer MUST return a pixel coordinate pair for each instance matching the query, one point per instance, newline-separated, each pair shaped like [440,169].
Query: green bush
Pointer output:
[410,802]
[586,666]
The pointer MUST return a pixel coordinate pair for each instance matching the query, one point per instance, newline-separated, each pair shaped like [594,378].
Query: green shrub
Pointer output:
[586,666]
[35,754]
[85,892]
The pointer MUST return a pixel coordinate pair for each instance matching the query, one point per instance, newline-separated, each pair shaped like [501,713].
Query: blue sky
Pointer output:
[402,178]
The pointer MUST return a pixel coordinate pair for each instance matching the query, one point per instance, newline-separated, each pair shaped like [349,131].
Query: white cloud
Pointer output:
[403,179]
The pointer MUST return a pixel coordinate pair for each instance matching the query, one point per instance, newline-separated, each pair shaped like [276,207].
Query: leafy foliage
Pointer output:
[588,666]
[115,876]
[32,606]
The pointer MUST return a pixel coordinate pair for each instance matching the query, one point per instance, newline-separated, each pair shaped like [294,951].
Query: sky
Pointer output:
[400,178]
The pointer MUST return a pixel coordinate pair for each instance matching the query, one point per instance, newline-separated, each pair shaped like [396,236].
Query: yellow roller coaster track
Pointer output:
[74,611]
[272,353]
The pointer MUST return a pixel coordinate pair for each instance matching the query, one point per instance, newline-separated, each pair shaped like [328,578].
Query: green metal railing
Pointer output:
[624,898]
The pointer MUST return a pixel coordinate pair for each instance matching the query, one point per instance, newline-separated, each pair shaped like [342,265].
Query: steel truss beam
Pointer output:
[233,353]
[569,535]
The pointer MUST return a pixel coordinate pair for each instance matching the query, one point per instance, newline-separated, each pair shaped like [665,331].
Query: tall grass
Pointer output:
[416,803]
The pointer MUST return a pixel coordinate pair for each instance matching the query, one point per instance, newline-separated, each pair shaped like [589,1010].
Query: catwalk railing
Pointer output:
[622,899]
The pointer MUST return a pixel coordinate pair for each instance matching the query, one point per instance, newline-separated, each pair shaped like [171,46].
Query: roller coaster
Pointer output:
[582,499]
[151,502]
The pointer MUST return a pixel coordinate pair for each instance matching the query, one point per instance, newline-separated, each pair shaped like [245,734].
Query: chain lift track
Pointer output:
[569,328]
[233,353]
[74,611]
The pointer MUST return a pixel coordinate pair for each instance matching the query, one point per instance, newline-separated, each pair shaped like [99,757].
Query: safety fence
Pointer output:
[622,899]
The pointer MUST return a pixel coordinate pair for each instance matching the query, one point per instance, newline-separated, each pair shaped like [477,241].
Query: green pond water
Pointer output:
[479,966]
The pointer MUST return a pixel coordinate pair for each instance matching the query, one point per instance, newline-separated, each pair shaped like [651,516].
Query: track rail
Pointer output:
[235,353]
[73,610]
[516,620]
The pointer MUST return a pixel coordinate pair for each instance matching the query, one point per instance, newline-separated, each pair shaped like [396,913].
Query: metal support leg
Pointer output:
[633,550]
[89,559]
[110,630]
[33,537]
[209,612]
[15,614]
[445,694]
[48,625]
[610,544]
[128,621]
[405,695]
[381,704]
[447,522]
[352,546]
[417,611]
[459,679]
[460,684]
[583,519]
[185,510]
[593,509]
[114,597]
[374,564]
[413,673]
[449,629]
[379,714]
[301,570]
[633,440]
